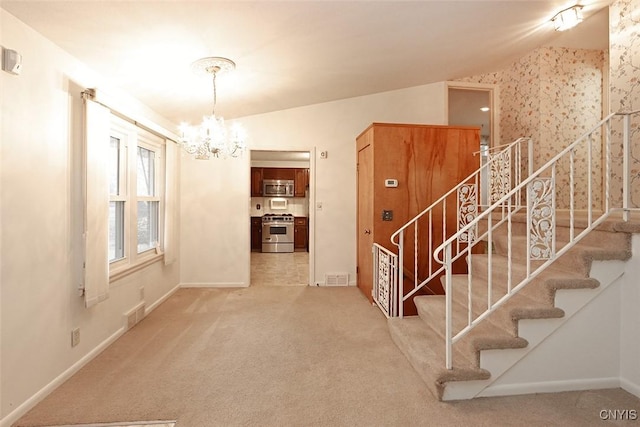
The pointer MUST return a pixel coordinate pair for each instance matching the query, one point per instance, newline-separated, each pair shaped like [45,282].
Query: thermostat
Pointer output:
[391,183]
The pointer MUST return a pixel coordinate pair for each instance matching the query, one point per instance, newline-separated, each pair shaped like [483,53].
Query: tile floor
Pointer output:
[280,269]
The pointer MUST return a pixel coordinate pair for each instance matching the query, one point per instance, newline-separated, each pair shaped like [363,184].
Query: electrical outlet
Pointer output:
[75,337]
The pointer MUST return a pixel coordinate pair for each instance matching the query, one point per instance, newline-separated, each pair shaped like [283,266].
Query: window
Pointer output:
[148,200]
[136,174]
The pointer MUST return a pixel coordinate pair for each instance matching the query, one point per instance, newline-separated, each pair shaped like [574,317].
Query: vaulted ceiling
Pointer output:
[295,53]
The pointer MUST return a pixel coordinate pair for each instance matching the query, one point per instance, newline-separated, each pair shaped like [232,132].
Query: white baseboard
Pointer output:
[162,299]
[629,386]
[350,284]
[215,285]
[28,404]
[551,387]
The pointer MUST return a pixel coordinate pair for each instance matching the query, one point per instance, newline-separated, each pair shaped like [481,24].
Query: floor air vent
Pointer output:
[336,279]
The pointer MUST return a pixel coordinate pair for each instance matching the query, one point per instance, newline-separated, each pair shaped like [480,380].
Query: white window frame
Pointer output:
[152,143]
[131,137]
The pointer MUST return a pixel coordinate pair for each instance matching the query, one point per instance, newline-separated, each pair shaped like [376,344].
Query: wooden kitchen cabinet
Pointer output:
[256,234]
[278,173]
[301,182]
[427,161]
[300,233]
[256,182]
[300,176]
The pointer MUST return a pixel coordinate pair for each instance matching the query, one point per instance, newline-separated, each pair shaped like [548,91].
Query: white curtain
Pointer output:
[171,202]
[96,192]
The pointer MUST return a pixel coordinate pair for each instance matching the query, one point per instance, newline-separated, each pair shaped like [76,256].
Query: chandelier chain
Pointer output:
[215,94]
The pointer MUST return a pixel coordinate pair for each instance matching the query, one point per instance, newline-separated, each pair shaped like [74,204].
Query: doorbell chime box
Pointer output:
[11,61]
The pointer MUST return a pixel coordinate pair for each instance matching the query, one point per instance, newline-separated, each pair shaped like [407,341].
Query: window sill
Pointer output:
[128,270]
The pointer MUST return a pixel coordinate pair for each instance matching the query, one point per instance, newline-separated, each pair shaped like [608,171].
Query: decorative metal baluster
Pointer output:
[499,175]
[383,280]
[541,218]
[467,211]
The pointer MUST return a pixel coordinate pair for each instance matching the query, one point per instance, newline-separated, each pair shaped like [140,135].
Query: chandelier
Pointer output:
[212,136]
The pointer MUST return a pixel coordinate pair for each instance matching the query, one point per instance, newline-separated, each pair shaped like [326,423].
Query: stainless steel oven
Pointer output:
[277,233]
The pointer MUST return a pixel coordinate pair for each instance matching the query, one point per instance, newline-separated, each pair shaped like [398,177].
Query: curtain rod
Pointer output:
[90,94]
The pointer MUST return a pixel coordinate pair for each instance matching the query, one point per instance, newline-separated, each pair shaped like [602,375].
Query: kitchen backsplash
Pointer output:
[298,206]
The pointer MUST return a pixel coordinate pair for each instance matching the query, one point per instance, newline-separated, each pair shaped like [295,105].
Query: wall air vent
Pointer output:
[134,316]
[336,279]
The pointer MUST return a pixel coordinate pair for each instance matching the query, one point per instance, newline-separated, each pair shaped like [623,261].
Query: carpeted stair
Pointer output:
[421,337]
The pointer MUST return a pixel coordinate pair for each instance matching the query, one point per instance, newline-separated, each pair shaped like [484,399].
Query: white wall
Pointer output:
[209,232]
[559,363]
[40,232]
[630,322]
[596,348]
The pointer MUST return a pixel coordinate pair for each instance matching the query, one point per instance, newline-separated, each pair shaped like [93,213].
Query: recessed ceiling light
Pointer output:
[485,109]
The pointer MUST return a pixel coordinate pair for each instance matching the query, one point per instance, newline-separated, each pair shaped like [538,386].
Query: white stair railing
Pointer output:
[417,239]
[580,180]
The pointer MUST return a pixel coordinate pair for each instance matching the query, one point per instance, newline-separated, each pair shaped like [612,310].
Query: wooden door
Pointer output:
[445,158]
[364,231]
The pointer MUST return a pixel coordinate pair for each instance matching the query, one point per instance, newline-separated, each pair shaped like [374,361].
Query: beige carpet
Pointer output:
[283,356]
[137,424]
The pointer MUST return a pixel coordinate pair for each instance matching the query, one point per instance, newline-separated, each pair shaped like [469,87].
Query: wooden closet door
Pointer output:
[364,226]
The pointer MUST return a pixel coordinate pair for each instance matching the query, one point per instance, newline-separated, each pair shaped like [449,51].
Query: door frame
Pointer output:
[494,105]
[312,204]
[494,123]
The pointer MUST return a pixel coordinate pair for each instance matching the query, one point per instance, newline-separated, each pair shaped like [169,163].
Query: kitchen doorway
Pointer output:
[281,220]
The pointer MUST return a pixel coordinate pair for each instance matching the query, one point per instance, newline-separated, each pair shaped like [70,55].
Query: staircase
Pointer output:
[476,366]
[530,267]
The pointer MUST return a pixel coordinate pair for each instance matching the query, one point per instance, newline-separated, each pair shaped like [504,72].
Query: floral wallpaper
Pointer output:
[553,95]
[624,59]
[570,106]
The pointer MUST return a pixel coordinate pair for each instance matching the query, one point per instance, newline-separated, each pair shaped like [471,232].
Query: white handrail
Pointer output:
[516,189]
[512,155]
[453,190]
[543,180]
[498,209]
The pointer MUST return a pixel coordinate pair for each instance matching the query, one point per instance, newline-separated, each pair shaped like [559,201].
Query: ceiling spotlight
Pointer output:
[567,18]
[484,109]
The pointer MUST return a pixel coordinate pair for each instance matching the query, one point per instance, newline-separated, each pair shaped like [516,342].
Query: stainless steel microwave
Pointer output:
[277,188]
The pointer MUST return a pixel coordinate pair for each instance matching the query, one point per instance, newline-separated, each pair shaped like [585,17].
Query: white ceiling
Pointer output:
[296,53]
